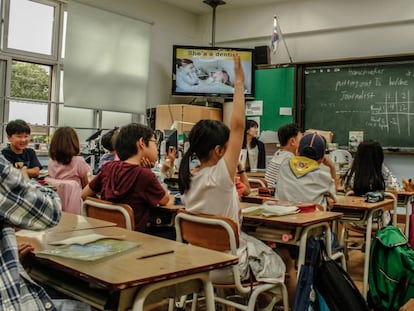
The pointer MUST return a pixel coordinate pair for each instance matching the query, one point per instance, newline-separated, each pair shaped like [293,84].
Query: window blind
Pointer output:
[106,60]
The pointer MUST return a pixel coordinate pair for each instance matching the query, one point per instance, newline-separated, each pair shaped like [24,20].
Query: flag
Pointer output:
[275,35]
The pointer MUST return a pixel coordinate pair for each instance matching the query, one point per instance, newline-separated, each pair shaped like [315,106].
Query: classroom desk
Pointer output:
[258,173]
[292,229]
[356,210]
[72,222]
[405,199]
[123,281]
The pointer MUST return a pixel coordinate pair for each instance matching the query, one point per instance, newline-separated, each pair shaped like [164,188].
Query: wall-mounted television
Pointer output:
[209,71]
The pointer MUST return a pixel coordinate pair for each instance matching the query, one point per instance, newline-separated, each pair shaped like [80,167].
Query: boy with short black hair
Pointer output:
[301,179]
[289,136]
[131,180]
[17,153]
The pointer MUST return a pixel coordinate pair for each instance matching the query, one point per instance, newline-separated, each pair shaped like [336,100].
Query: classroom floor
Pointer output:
[355,269]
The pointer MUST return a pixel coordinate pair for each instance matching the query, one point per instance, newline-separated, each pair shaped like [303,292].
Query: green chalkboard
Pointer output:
[377,98]
[275,87]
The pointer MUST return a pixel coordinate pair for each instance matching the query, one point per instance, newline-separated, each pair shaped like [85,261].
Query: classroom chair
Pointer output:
[256,182]
[221,234]
[70,194]
[121,214]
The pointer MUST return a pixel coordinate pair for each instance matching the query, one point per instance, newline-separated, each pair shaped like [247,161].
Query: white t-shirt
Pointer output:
[213,192]
[311,187]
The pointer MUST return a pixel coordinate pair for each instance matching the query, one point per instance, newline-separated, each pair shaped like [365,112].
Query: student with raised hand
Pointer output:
[302,179]
[131,180]
[211,189]
[256,153]
[289,136]
[17,153]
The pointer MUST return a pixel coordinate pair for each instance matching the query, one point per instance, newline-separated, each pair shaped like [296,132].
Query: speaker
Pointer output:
[262,55]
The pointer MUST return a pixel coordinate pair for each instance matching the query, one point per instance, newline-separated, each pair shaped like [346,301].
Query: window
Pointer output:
[31,26]
[32,72]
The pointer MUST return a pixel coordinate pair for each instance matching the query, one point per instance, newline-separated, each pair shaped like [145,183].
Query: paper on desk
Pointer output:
[268,210]
[85,239]
[90,251]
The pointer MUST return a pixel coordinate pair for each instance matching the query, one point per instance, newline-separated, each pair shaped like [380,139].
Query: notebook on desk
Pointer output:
[90,251]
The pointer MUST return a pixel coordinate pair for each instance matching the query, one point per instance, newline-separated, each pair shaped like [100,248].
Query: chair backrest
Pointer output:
[70,194]
[341,156]
[256,182]
[208,231]
[121,214]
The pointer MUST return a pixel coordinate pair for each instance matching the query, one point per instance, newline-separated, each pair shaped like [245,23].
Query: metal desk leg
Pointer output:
[368,234]
[408,211]
[304,239]
[144,292]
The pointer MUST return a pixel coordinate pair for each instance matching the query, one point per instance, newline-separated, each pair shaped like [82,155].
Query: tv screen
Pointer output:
[209,71]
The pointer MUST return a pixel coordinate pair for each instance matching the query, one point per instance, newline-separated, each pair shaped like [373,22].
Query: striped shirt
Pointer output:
[25,205]
[272,170]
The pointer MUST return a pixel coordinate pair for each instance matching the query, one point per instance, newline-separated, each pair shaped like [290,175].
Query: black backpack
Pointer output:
[336,287]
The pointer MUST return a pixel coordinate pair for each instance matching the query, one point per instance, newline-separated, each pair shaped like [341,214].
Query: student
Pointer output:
[65,162]
[131,180]
[211,190]
[18,154]
[241,181]
[289,136]
[256,153]
[19,199]
[108,142]
[302,179]
[368,171]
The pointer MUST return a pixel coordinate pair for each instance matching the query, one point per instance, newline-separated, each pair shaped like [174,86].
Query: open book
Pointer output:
[269,209]
[90,251]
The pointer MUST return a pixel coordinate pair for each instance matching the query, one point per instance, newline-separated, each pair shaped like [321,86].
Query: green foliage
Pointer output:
[29,81]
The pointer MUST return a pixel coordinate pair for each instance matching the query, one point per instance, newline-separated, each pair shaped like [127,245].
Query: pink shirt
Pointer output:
[75,170]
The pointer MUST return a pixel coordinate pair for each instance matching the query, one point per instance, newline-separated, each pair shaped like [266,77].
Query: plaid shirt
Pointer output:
[24,205]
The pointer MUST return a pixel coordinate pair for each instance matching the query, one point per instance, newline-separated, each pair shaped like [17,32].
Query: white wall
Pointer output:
[320,29]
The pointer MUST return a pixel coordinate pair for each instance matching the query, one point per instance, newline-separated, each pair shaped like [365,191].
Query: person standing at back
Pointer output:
[17,153]
[256,153]
[289,136]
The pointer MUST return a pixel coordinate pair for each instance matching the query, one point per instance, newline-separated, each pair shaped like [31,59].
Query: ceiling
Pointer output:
[200,8]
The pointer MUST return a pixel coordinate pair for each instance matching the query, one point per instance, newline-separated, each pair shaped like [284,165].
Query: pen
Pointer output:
[156,254]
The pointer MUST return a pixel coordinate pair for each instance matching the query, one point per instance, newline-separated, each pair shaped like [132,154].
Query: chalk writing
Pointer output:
[374,98]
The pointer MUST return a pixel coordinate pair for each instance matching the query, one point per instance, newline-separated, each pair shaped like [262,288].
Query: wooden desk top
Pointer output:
[298,220]
[354,202]
[71,222]
[125,270]
[258,173]
[405,193]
